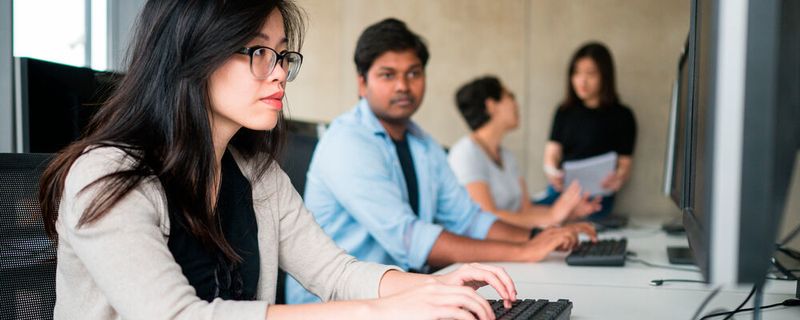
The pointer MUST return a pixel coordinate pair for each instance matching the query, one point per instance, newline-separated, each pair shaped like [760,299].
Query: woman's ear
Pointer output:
[491,106]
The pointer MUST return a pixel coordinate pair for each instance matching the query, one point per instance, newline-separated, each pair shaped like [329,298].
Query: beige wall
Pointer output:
[791,215]
[527,43]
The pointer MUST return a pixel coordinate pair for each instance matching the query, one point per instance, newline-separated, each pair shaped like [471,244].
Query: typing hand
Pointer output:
[434,300]
[584,228]
[549,240]
[476,275]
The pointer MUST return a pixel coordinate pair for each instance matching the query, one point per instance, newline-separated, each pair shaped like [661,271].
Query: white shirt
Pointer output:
[470,163]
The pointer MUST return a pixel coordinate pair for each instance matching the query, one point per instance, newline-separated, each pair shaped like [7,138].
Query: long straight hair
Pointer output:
[601,56]
[159,114]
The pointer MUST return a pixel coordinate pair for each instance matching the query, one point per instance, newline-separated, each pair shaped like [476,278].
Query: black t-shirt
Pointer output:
[584,132]
[409,173]
[210,273]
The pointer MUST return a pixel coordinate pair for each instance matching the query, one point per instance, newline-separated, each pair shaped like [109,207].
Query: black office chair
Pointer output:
[27,256]
[297,158]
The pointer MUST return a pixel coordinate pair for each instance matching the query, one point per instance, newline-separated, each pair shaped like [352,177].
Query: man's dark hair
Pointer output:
[388,35]
[471,99]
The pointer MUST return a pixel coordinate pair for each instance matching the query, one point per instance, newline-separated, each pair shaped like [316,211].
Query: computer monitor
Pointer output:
[54,103]
[678,137]
[744,112]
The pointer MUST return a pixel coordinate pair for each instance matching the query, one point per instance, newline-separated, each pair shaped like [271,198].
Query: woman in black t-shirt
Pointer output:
[590,121]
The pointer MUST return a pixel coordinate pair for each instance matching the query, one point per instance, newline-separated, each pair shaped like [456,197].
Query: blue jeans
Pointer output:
[607,203]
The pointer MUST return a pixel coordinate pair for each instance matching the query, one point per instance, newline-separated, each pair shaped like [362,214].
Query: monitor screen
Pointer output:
[55,102]
[677,151]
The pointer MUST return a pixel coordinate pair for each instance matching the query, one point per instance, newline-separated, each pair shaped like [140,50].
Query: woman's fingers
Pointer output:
[466,298]
[499,280]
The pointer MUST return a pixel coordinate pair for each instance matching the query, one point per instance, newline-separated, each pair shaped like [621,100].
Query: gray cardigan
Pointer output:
[120,267]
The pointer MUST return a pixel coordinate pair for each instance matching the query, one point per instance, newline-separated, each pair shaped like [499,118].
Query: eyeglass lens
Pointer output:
[264,61]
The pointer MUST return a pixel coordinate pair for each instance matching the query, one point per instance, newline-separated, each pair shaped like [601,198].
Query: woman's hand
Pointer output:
[476,275]
[573,204]
[586,207]
[433,300]
[555,177]
[613,182]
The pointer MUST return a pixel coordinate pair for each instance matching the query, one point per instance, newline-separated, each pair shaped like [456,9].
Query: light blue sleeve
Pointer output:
[355,169]
[457,212]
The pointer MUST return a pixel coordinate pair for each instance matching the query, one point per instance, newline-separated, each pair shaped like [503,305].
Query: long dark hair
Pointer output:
[159,114]
[605,64]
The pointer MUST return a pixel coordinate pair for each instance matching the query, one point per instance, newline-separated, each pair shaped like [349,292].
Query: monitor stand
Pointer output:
[680,255]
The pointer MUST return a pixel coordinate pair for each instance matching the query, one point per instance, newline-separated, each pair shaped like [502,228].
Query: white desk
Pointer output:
[626,293]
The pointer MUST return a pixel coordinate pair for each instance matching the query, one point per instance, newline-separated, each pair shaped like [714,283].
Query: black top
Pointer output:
[584,132]
[407,163]
[210,273]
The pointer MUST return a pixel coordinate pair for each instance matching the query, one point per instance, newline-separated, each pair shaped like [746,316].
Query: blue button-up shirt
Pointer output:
[357,193]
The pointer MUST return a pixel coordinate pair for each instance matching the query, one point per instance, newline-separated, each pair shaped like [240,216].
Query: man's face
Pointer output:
[394,86]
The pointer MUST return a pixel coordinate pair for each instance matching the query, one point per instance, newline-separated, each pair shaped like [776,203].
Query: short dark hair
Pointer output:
[601,56]
[388,35]
[471,99]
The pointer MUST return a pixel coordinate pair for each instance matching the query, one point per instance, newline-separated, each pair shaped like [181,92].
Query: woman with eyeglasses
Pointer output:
[489,172]
[172,206]
[589,122]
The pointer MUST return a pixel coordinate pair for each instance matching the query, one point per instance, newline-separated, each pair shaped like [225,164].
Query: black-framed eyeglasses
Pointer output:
[264,59]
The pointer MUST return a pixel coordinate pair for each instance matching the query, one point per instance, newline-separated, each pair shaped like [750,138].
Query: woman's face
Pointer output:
[586,79]
[238,99]
[505,111]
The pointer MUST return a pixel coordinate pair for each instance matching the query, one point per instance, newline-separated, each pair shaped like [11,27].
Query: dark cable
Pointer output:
[653,265]
[742,304]
[658,282]
[705,302]
[785,303]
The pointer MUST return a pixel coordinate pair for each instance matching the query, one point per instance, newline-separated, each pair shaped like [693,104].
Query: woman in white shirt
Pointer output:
[172,206]
[490,173]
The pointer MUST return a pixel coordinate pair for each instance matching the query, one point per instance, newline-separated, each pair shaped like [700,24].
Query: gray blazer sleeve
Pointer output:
[125,253]
[310,255]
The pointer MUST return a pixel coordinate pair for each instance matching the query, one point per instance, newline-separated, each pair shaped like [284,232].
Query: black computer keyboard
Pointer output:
[609,252]
[533,309]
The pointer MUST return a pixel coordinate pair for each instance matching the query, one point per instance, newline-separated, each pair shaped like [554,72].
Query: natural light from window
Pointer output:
[55,30]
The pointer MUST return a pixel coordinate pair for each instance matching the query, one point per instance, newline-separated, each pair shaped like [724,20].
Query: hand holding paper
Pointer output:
[592,173]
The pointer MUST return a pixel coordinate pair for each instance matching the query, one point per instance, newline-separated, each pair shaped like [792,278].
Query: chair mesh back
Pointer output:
[27,256]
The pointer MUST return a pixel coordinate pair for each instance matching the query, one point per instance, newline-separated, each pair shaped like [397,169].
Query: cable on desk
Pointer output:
[786,303]
[729,314]
[653,265]
[705,302]
[658,282]
[738,309]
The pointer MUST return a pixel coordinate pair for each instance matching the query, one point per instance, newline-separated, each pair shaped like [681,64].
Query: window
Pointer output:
[56,30]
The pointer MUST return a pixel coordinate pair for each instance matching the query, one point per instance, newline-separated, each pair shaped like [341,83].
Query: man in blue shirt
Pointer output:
[381,187]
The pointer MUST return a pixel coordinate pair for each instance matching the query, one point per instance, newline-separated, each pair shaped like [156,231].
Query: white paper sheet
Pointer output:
[591,172]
